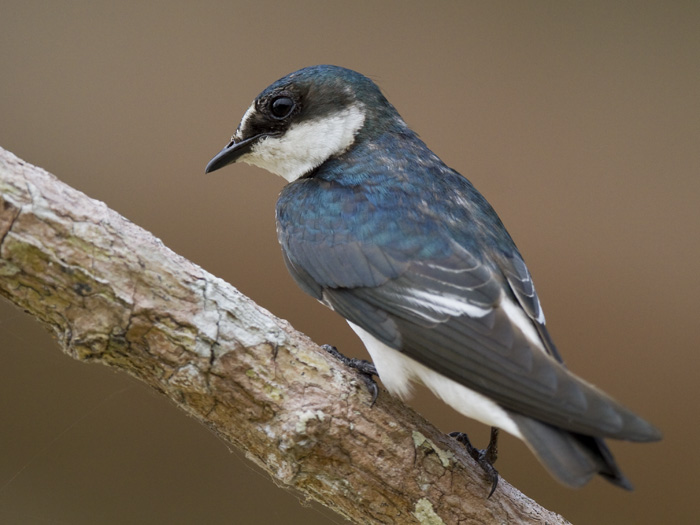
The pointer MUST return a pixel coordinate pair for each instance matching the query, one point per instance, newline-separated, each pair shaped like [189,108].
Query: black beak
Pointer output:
[231,153]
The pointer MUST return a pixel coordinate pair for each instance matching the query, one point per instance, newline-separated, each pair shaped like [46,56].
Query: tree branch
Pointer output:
[113,293]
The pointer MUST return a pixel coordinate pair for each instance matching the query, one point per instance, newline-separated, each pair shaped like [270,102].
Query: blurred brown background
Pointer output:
[579,122]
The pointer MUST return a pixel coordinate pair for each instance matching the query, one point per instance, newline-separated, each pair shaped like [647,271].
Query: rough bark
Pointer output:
[113,293]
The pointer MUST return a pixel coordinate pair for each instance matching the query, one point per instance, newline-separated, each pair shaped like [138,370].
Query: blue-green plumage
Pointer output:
[409,210]
[377,227]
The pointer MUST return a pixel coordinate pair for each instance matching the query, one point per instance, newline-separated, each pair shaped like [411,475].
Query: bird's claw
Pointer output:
[365,368]
[485,458]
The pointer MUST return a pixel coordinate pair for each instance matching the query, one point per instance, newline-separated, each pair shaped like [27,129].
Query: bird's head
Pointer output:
[307,117]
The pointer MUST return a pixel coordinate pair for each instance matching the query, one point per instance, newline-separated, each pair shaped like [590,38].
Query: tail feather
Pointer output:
[571,458]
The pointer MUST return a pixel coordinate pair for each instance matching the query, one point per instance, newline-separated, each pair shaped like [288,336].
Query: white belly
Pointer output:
[397,371]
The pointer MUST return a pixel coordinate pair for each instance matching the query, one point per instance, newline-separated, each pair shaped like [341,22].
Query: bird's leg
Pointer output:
[485,458]
[365,368]
[492,447]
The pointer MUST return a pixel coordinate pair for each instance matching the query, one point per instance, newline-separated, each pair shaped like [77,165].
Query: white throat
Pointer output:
[307,145]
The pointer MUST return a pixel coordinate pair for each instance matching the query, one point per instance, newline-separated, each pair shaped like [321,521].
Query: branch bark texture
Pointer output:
[113,293]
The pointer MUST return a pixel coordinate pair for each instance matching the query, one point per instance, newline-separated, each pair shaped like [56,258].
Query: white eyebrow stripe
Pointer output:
[244,121]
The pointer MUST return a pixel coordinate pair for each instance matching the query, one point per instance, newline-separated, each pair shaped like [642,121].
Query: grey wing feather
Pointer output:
[484,352]
[447,313]
[520,282]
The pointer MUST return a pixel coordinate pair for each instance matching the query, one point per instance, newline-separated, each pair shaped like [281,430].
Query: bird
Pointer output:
[378,228]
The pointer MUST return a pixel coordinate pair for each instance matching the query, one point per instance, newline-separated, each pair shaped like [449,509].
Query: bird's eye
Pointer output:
[281,107]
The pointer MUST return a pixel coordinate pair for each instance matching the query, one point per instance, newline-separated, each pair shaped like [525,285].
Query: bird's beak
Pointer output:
[232,152]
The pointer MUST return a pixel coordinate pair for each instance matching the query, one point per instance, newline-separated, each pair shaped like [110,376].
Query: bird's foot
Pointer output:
[485,458]
[365,368]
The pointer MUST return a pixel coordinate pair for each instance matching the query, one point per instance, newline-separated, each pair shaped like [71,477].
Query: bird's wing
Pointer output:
[460,304]
[458,317]
[465,326]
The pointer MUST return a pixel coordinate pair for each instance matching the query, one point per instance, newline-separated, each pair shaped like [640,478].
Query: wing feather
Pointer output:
[486,352]
[446,286]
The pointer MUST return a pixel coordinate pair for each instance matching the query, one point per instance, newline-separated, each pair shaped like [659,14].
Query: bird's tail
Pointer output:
[571,458]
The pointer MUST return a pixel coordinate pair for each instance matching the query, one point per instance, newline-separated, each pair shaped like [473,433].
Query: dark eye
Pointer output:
[281,107]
